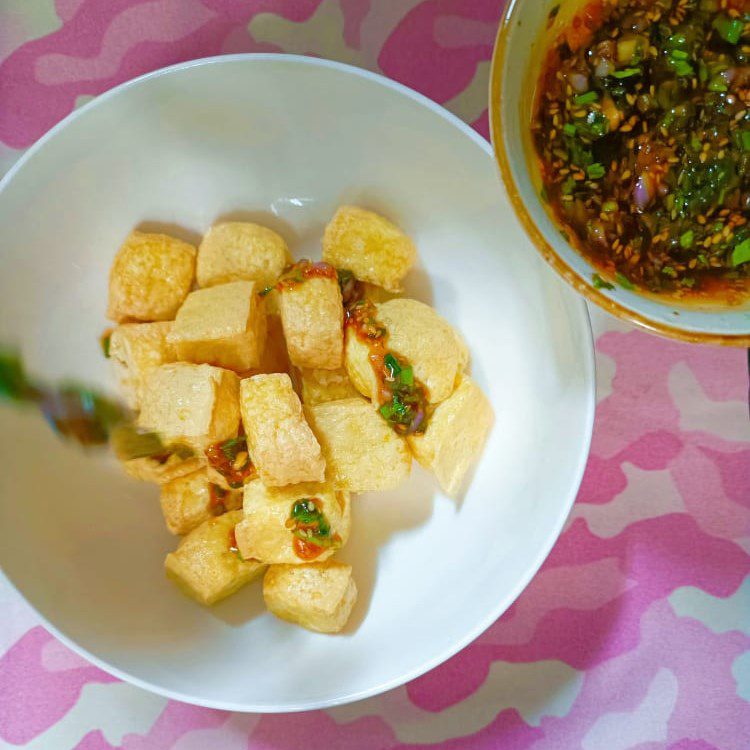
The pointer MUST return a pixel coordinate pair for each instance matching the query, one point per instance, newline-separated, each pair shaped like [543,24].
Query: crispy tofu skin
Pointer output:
[318,596]
[417,333]
[241,251]
[312,314]
[281,443]
[368,245]
[223,325]
[153,470]
[204,565]
[135,349]
[455,434]
[186,502]
[264,534]
[150,277]
[319,386]
[193,404]
[362,452]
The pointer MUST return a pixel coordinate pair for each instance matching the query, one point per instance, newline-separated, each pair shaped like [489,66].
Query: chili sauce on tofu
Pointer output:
[642,129]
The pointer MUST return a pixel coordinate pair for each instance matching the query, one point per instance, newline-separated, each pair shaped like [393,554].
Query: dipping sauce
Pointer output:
[642,129]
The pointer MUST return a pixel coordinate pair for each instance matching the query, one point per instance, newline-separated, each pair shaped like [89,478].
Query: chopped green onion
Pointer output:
[745,139]
[569,129]
[717,84]
[669,271]
[624,281]
[394,368]
[600,283]
[741,253]
[729,29]
[595,171]
[627,72]
[682,68]
[609,206]
[686,239]
[679,54]
[587,98]
[407,376]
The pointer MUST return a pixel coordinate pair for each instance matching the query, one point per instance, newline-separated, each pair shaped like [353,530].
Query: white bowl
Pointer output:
[285,140]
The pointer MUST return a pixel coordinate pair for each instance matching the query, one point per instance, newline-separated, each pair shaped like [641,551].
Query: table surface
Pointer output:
[636,632]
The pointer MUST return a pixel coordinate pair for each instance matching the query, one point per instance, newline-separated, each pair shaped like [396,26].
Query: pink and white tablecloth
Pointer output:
[635,634]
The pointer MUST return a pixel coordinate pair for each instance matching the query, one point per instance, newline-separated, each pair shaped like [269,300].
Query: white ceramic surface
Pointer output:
[518,58]
[284,140]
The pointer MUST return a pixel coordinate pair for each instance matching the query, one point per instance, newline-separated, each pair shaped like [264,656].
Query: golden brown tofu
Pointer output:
[455,434]
[281,443]
[312,314]
[362,452]
[317,596]
[150,277]
[319,386]
[241,251]
[193,404]
[368,245]
[269,532]
[136,349]
[206,566]
[422,337]
[160,471]
[274,357]
[188,501]
[223,325]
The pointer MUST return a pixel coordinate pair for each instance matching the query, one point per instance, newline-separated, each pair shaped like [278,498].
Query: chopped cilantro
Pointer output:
[600,283]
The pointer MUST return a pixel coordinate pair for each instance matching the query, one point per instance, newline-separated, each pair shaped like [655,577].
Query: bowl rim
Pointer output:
[545,249]
[588,367]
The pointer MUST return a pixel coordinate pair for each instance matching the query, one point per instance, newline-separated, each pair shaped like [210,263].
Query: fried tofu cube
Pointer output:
[136,349]
[223,325]
[368,245]
[362,452]
[160,471]
[274,357]
[318,596]
[319,386]
[241,251]
[188,501]
[150,277]
[312,314]
[193,404]
[423,338]
[268,533]
[281,443]
[206,565]
[455,434]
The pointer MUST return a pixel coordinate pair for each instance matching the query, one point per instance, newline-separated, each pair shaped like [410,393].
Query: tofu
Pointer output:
[241,251]
[193,404]
[135,350]
[455,435]
[312,314]
[319,386]
[274,357]
[204,565]
[223,325]
[370,246]
[266,534]
[186,502]
[317,596]
[150,277]
[281,443]
[149,469]
[362,452]
[420,336]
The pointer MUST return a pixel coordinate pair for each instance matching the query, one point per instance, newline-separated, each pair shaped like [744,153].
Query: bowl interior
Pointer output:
[284,141]
[522,42]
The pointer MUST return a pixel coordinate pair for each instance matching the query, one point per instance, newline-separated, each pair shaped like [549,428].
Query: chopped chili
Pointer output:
[232,460]
[311,529]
